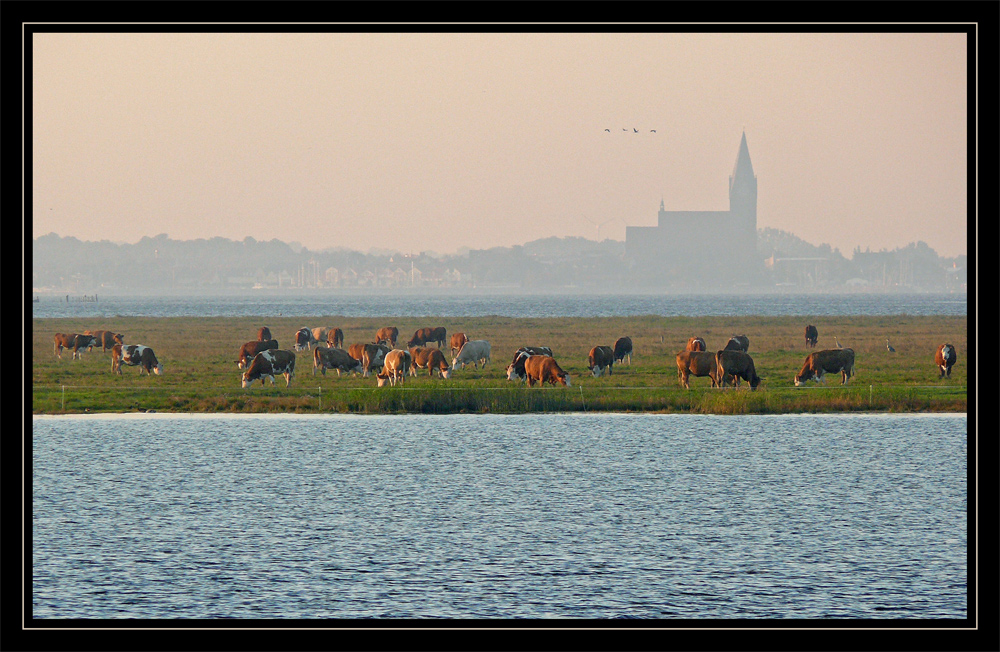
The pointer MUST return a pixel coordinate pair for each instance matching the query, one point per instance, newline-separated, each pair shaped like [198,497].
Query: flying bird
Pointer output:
[608,130]
[635,130]
[889,346]
[652,131]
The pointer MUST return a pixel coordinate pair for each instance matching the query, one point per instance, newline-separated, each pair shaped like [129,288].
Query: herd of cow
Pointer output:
[261,359]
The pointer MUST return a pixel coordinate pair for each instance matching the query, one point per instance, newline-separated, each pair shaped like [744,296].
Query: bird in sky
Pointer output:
[652,131]
[635,130]
[889,346]
[608,130]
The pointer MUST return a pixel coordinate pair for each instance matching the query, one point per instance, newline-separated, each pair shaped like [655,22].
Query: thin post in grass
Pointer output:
[319,398]
[63,398]
[582,399]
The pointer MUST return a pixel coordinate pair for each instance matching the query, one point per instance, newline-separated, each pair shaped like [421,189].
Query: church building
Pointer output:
[702,247]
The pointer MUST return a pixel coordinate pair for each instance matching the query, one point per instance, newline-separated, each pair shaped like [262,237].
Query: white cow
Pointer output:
[473,352]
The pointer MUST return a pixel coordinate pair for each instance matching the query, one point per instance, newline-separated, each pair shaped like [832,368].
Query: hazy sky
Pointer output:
[436,141]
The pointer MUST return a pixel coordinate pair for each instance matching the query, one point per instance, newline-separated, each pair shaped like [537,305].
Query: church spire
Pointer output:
[743,166]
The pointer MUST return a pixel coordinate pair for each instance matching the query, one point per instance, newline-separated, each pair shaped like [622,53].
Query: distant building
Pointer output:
[697,247]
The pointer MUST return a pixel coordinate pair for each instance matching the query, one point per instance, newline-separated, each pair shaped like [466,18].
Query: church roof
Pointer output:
[743,165]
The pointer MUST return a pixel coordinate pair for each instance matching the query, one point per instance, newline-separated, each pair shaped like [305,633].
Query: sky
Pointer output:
[439,141]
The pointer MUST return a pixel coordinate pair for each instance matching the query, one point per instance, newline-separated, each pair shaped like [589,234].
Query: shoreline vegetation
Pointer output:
[201,376]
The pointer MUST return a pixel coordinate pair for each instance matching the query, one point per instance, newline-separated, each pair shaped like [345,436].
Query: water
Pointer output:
[442,304]
[500,516]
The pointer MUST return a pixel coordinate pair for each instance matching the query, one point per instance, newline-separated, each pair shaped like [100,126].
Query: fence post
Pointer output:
[870,397]
[319,395]
[63,398]
[583,399]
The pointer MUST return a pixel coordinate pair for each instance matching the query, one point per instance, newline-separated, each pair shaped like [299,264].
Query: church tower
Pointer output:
[743,193]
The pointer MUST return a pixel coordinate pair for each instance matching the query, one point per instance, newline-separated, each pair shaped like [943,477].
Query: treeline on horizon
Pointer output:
[157,263]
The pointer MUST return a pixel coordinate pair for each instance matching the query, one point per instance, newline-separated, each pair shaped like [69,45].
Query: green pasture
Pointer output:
[200,374]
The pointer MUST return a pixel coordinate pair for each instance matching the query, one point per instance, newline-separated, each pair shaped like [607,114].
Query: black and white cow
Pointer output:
[267,365]
[135,355]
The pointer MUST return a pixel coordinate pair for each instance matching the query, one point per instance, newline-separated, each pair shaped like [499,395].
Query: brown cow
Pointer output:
[945,358]
[458,340]
[268,364]
[397,365]
[601,358]
[429,359]
[105,339]
[424,335]
[387,334]
[74,342]
[696,363]
[623,349]
[736,364]
[249,351]
[263,334]
[515,370]
[334,358]
[738,343]
[696,344]
[335,338]
[370,355]
[827,361]
[811,336]
[544,369]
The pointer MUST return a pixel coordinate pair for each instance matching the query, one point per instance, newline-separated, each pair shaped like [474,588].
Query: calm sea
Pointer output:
[500,516]
[441,304]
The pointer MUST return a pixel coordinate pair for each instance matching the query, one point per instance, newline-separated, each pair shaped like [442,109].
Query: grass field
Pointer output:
[200,374]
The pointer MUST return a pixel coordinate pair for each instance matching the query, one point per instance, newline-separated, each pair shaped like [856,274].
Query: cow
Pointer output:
[696,344]
[623,349]
[429,359]
[544,369]
[333,358]
[424,335]
[335,338]
[515,370]
[397,365]
[268,364]
[736,364]
[304,339]
[945,358]
[75,342]
[321,334]
[811,336]
[387,334]
[105,339]
[738,343]
[370,355]
[601,358]
[263,334]
[827,361]
[696,363]
[250,349]
[457,341]
[135,355]
[472,352]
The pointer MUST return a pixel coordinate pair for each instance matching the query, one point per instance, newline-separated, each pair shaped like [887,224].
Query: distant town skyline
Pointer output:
[443,141]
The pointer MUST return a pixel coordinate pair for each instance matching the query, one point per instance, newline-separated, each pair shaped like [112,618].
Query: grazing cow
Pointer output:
[249,350]
[135,355]
[105,339]
[544,369]
[811,336]
[515,370]
[263,334]
[333,358]
[424,335]
[74,342]
[696,344]
[429,359]
[268,364]
[474,352]
[335,338]
[696,363]
[623,349]
[827,361]
[457,341]
[601,358]
[945,358]
[370,355]
[736,364]
[321,334]
[738,343]
[397,365]
[387,334]
[304,339]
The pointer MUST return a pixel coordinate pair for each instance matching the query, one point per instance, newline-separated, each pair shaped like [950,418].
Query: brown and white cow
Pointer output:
[830,361]
[544,369]
[397,365]
[458,340]
[267,365]
[515,370]
[623,349]
[738,343]
[945,358]
[429,359]
[333,358]
[812,335]
[335,338]
[74,342]
[387,334]
[696,363]
[263,334]
[601,358]
[321,334]
[736,364]
[474,352]
[696,344]
[370,355]
[105,339]
[424,335]
[135,355]
[303,339]
[250,349]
